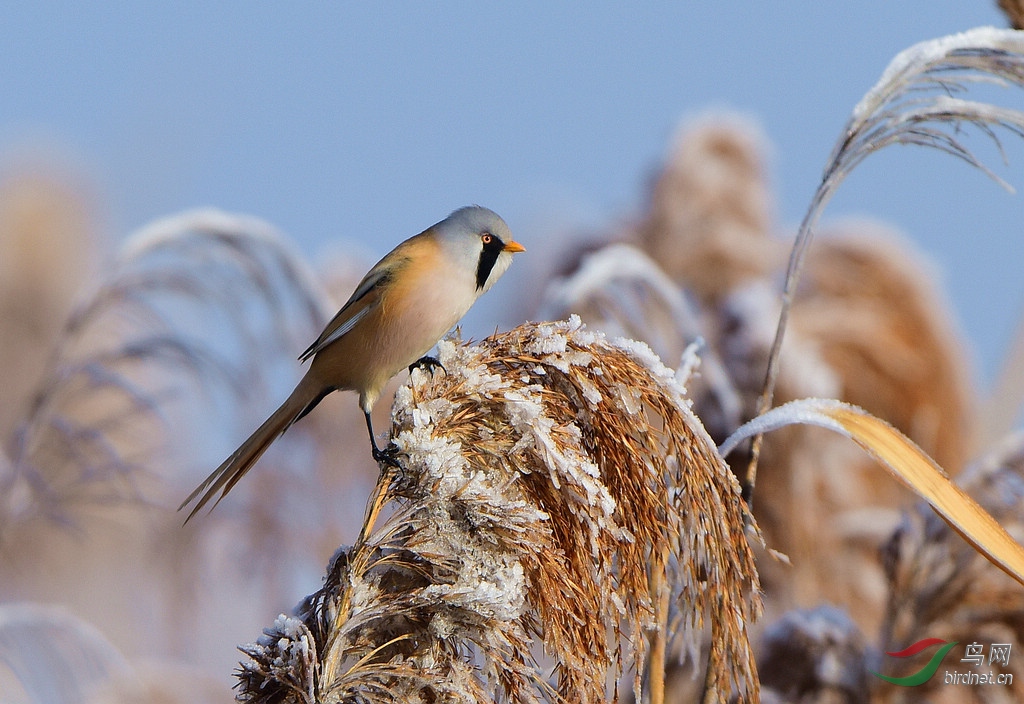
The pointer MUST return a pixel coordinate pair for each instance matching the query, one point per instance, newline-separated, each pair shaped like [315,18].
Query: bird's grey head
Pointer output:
[480,239]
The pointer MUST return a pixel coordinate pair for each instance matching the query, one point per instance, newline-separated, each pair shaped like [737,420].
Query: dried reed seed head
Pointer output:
[870,327]
[914,102]
[814,655]
[709,216]
[553,483]
[869,301]
[1014,10]
[48,248]
[598,442]
[133,349]
[573,402]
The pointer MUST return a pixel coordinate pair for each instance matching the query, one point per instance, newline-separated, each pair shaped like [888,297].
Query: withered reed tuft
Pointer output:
[915,102]
[557,500]
[132,349]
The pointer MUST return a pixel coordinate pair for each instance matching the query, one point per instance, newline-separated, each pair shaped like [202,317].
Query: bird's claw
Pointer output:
[428,363]
[388,456]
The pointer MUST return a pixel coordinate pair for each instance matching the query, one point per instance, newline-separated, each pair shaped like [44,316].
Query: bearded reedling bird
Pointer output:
[398,312]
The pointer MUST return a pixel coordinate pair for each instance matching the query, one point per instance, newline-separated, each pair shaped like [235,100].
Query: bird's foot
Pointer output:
[428,363]
[387,457]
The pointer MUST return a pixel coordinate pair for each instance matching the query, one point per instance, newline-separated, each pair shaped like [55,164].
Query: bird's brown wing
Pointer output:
[366,297]
[364,300]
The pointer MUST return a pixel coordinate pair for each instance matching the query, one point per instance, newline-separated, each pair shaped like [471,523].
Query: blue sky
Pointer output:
[364,122]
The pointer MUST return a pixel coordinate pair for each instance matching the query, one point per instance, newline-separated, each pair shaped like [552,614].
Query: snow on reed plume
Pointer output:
[179,342]
[131,349]
[914,102]
[558,504]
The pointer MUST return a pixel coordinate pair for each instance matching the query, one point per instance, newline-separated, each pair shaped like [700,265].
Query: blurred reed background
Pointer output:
[126,375]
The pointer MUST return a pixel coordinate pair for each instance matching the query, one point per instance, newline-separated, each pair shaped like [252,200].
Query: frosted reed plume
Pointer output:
[709,214]
[622,291]
[129,352]
[914,102]
[48,250]
[560,513]
[164,363]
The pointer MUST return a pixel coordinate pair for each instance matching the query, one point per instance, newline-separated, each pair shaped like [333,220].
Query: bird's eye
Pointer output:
[487,238]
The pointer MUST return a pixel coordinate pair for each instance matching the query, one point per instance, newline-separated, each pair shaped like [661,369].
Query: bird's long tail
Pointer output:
[302,400]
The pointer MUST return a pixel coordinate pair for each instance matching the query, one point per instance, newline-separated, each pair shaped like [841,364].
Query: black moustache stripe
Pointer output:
[488,257]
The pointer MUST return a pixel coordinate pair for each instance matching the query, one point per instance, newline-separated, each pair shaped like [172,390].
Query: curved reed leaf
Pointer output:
[907,463]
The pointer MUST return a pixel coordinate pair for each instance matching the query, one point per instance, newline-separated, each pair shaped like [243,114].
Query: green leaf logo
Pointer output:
[926,672]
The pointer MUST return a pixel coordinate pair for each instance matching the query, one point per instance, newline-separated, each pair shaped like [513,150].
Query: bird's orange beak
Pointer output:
[513,247]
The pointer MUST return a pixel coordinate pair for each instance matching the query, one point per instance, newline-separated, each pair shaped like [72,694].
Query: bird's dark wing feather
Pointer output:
[367,295]
[365,298]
